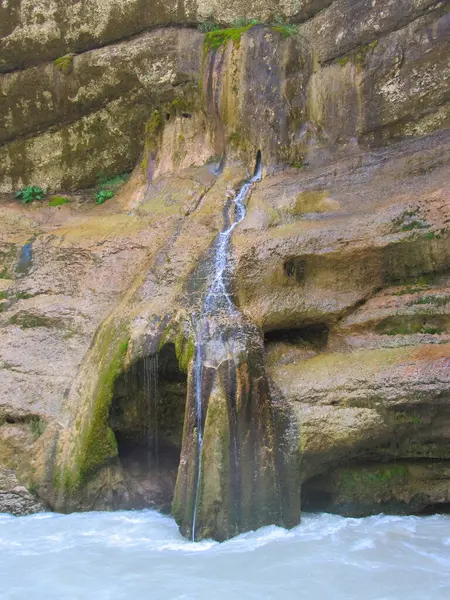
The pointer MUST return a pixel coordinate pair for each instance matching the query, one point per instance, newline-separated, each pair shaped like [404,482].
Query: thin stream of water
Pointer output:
[151,389]
[217,298]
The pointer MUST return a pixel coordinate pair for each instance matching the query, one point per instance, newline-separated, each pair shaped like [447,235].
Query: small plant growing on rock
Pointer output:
[30,193]
[109,187]
[286,29]
[103,195]
[64,64]
[208,26]
[37,427]
[245,22]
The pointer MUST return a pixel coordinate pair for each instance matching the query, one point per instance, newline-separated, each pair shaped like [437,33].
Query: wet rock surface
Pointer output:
[340,269]
[15,499]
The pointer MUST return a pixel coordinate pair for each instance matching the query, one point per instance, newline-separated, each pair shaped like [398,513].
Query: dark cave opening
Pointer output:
[372,488]
[315,335]
[435,509]
[315,497]
[147,418]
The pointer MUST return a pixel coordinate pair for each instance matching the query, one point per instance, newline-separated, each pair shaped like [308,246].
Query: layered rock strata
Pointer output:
[340,268]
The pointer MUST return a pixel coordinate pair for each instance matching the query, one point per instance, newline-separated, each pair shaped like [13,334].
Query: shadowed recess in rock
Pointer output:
[359,489]
[146,416]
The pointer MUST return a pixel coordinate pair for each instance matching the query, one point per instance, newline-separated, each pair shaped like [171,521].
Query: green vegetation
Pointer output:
[215,39]
[108,188]
[58,201]
[26,320]
[435,300]
[64,64]
[184,350]
[432,236]
[298,164]
[417,285]
[367,482]
[404,418]
[286,29]
[30,193]
[343,60]
[99,443]
[245,21]
[433,330]
[361,54]
[414,225]
[217,36]
[412,328]
[3,295]
[24,296]
[37,427]
[208,26]
[235,138]
[4,273]
[103,195]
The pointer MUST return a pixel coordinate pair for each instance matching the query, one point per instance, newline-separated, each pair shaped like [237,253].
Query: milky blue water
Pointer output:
[140,555]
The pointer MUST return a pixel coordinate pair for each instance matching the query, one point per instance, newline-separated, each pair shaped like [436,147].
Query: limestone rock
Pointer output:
[33,32]
[16,499]
[340,268]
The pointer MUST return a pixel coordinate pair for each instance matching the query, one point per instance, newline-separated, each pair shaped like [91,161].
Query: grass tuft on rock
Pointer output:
[37,427]
[215,39]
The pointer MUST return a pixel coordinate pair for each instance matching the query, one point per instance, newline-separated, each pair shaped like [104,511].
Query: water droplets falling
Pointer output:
[151,399]
[218,296]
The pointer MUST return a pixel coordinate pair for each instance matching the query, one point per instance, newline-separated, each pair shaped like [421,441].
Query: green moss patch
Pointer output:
[431,300]
[185,350]
[29,321]
[411,328]
[64,64]
[99,444]
[364,482]
[404,418]
[58,201]
[37,427]
[414,225]
[360,55]
[419,284]
[286,30]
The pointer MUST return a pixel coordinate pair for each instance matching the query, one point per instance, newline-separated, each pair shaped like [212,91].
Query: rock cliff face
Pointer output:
[332,389]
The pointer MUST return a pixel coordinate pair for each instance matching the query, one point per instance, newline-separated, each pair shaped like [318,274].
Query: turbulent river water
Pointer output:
[140,555]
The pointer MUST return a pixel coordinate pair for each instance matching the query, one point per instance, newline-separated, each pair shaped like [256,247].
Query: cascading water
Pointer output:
[217,299]
[151,407]
[218,296]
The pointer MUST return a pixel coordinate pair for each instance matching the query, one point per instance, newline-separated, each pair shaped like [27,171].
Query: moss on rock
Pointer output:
[64,64]
[215,39]
[356,484]
[99,443]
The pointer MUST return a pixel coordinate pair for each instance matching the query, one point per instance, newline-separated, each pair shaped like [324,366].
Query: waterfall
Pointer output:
[151,406]
[218,296]
[217,299]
